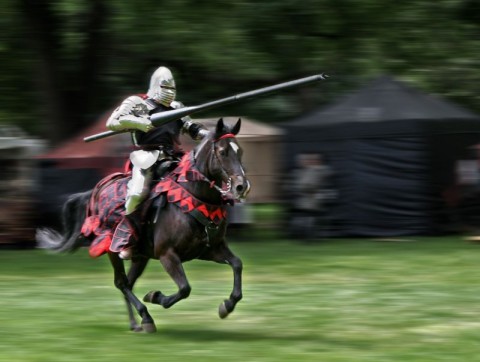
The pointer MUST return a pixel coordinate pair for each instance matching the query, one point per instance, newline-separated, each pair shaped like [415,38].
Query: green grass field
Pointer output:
[339,300]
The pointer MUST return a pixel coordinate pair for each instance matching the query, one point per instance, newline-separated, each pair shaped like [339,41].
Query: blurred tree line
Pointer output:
[65,62]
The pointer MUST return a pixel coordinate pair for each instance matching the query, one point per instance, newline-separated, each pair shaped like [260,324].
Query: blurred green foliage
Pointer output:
[65,62]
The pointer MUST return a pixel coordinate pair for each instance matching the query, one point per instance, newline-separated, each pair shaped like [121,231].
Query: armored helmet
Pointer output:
[162,86]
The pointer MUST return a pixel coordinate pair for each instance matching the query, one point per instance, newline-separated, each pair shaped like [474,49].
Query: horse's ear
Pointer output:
[220,127]
[237,126]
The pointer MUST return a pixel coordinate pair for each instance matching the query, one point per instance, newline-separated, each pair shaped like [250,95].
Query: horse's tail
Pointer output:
[73,214]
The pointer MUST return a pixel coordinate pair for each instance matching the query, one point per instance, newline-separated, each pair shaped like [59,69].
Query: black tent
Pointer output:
[393,150]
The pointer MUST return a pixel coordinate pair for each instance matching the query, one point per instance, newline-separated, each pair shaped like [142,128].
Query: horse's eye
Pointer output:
[222,152]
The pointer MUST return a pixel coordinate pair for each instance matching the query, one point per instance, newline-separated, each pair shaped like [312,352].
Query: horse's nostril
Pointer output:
[239,188]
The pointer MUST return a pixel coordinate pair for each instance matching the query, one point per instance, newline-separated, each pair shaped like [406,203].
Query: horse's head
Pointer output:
[223,161]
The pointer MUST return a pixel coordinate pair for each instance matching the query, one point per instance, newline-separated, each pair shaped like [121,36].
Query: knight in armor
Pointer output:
[152,145]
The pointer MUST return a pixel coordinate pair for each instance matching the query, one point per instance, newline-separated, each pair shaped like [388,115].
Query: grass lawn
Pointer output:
[339,300]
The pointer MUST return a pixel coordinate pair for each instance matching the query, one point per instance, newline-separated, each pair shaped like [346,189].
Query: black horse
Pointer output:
[188,224]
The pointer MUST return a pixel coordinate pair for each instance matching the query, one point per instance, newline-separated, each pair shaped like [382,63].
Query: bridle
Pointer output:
[223,192]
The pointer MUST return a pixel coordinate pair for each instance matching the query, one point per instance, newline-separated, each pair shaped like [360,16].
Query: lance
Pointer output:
[168,116]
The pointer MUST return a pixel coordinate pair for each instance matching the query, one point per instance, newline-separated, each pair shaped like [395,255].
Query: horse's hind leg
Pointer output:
[173,266]
[136,270]
[223,255]
[123,284]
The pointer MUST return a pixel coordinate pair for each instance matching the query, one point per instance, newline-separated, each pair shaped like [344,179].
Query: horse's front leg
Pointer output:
[173,266]
[223,255]
[122,283]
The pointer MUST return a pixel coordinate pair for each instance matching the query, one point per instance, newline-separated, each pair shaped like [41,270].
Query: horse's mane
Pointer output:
[208,138]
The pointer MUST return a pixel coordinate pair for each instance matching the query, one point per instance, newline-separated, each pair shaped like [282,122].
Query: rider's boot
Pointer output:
[126,254]
[137,188]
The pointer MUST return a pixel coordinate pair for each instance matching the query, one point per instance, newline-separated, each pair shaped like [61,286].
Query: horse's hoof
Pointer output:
[149,327]
[222,311]
[136,329]
[150,296]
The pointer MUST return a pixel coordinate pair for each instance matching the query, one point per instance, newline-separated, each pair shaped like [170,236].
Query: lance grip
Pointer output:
[168,116]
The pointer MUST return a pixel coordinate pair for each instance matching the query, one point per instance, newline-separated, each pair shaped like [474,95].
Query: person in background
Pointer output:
[312,192]
[152,145]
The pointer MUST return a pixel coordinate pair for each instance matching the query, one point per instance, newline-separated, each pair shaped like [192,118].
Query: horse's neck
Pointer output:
[203,192]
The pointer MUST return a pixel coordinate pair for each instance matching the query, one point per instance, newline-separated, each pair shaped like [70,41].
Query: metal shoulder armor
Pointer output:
[132,114]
